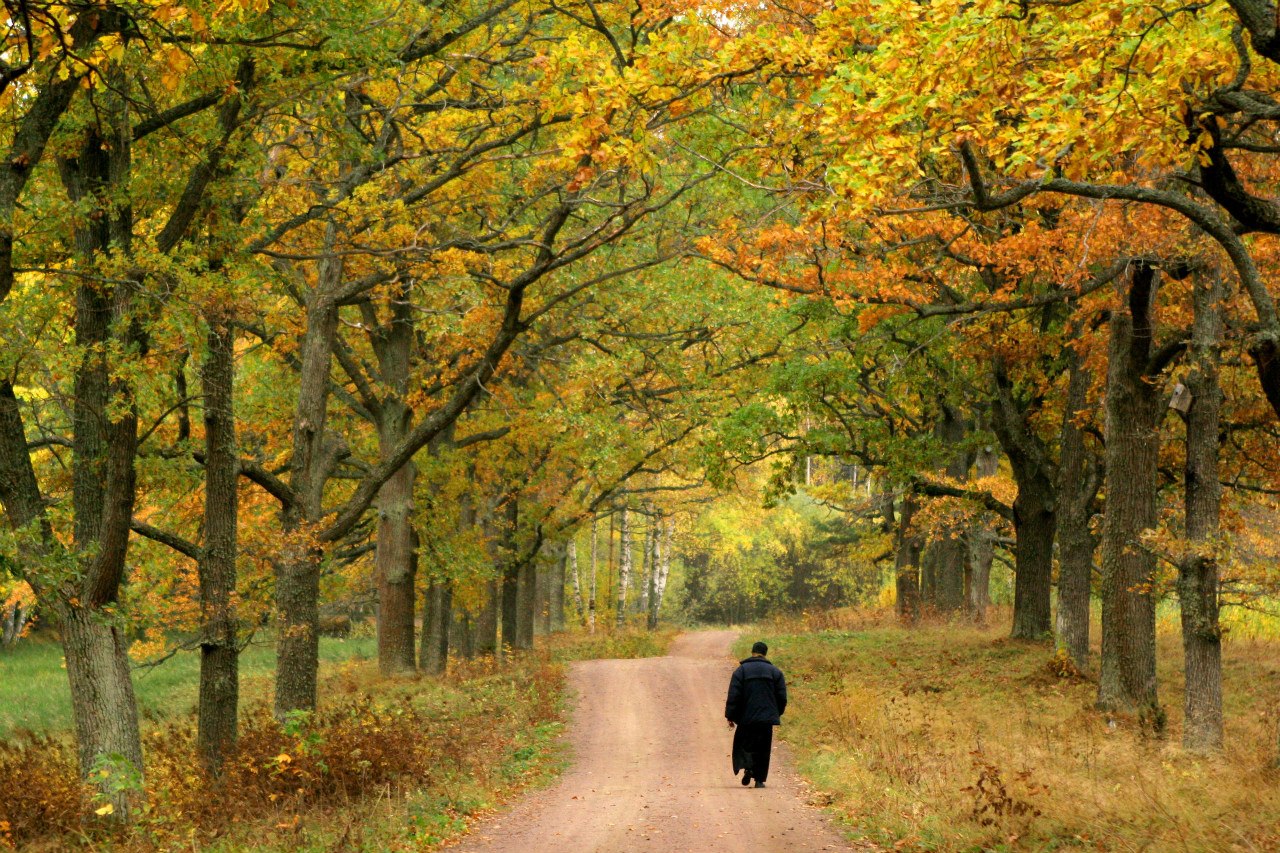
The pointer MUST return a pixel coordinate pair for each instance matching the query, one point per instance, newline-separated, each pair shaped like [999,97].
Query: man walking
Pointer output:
[757,699]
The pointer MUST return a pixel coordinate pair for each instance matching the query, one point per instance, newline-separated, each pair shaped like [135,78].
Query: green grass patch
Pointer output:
[398,764]
[385,764]
[35,696]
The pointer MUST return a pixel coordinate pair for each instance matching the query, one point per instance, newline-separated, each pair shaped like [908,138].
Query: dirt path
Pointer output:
[651,770]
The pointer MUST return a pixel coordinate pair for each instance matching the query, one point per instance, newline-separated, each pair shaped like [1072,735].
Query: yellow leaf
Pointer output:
[105,810]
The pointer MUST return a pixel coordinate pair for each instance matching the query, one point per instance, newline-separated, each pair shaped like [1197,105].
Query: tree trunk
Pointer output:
[556,574]
[664,564]
[571,555]
[949,558]
[315,454]
[103,704]
[656,578]
[394,563]
[1079,477]
[1034,520]
[591,591]
[487,621]
[950,555]
[12,622]
[393,567]
[526,601]
[1033,525]
[646,557]
[542,590]
[219,649]
[104,486]
[624,568]
[907,564]
[1198,569]
[510,574]
[297,573]
[463,634]
[1128,675]
[609,589]
[982,549]
[435,628]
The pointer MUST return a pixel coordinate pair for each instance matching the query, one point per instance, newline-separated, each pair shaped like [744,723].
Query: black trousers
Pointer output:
[752,743]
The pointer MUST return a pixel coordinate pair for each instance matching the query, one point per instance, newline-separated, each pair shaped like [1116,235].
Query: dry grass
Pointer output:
[386,764]
[399,764]
[950,737]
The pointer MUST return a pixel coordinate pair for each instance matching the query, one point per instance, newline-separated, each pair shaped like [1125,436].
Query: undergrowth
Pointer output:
[954,738]
[630,643]
[384,765]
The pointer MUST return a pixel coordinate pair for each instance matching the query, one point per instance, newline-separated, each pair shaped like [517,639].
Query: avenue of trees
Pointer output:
[462,315]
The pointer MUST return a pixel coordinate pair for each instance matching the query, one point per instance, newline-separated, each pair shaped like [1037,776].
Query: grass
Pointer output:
[632,643]
[401,764]
[949,737]
[35,696]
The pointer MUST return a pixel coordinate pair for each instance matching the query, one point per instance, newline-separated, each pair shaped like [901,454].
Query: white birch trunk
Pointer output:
[577,582]
[624,569]
[591,596]
[664,560]
[646,581]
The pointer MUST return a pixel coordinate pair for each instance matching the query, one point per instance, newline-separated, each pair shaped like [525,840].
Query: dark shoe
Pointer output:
[746,778]
[759,784]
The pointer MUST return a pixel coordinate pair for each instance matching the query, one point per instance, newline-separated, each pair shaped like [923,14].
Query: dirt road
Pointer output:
[651,770]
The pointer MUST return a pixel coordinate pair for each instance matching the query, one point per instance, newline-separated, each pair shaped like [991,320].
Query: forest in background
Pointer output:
[463,316]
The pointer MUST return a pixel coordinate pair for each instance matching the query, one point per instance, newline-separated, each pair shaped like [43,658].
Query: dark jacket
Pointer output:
[757,693]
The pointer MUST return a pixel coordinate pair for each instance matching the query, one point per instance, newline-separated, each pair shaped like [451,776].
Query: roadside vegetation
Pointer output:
[951,737]
[401,764]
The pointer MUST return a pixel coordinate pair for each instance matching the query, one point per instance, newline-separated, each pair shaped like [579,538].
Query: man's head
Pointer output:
[759,648]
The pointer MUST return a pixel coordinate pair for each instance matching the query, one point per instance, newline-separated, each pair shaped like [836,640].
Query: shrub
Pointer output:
[43,792]
[421,742]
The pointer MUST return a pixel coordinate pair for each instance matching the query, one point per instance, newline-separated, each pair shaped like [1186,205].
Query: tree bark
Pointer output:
[928,570]
[654,572]
[907,563]
[571,555]
[297,575]
[1034,519]
[1128,674]
[948,556]
[394,564]
[219,644]
[1079,477]
[394,569]
[591,592]
[624,568]
[556,574]
[542,589]
[435,628]
[510,575]
[982,551]
[12,621]
[664,564]
[487,621]
[297,566]
[981,544]
[647,558]
[103,704]
[103,473]
[463,634]
[526,601]
[1198,569]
